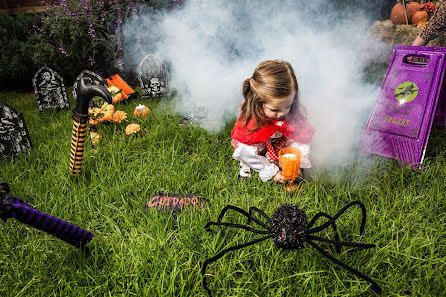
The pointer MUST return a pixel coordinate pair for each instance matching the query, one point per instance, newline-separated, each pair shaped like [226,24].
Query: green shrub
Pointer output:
[71,36]
[16,66]
[74,38]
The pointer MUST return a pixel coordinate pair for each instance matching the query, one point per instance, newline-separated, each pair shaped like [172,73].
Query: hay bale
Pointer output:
[392,34]
[380,41]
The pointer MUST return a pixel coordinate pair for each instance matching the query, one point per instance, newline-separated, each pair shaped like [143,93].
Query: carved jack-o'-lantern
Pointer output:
[398,16]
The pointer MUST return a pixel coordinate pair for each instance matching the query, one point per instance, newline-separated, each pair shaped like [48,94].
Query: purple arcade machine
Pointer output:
[411,101]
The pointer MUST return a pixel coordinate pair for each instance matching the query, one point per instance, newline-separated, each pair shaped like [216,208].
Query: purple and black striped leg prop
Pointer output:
[80,119]
[12,207]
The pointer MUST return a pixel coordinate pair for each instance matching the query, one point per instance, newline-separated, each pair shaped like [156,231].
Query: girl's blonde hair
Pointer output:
[271,79]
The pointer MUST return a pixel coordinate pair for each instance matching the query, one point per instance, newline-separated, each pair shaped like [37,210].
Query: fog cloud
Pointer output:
[213,46]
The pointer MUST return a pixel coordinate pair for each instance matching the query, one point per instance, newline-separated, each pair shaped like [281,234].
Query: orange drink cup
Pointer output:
[289,161]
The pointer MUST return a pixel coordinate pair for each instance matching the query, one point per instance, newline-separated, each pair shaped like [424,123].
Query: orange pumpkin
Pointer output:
[419,16]
[398,17]
[141,111]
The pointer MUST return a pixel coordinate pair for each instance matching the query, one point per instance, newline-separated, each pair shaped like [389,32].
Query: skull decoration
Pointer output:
[155,86]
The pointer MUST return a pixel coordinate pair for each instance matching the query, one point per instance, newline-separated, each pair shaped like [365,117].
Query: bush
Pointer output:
[74,37]
[71,36]
[16,66]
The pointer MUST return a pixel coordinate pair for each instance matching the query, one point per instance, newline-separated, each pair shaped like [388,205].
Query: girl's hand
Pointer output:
[278,178]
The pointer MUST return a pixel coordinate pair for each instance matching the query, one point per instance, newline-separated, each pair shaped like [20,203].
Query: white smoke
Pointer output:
[213,46]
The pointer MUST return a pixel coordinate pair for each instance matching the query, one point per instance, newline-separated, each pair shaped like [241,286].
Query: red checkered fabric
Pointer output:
[234,143]
[273,146]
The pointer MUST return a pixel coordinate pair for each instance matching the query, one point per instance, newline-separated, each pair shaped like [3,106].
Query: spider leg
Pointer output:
[323,214]
[336,216]
[243,212]
[343,243]
[206,227]
[221,254]
[375,287]
[263,214]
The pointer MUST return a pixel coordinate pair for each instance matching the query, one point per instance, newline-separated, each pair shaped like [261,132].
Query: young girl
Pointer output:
[270,119]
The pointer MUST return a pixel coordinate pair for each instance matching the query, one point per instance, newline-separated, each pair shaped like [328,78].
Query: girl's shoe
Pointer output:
[245,171]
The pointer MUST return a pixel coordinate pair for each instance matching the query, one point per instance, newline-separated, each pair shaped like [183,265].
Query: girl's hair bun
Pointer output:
[246,87]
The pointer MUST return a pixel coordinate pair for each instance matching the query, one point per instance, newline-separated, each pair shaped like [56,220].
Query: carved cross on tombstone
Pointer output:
[153,76]
[14,137]
[50,90]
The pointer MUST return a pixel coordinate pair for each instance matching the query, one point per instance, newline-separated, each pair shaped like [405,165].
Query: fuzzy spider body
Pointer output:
[290,227]
[289,230]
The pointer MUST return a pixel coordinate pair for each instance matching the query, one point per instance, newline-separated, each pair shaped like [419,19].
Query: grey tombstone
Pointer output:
[194,114]
[50,90]
[14,137]
[153,75]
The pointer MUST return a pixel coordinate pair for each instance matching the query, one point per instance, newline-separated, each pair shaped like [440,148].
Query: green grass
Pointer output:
[136,253]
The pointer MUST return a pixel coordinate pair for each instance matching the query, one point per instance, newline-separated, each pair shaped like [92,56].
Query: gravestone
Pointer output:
[14,137]
[194,114]
[50,90]
[153,76]
[411,101]
[89,78]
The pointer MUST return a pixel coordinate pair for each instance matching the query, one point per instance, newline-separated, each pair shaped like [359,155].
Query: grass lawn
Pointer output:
[137,253]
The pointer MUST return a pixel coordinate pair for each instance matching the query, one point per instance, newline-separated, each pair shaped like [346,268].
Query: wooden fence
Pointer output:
[21,6]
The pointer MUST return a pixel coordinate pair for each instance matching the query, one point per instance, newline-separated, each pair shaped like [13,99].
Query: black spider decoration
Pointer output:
[289,229]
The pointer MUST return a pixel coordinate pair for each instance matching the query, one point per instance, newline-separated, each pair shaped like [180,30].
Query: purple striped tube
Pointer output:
[15,208]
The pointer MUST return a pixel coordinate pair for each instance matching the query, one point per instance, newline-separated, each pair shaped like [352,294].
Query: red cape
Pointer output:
[298,129]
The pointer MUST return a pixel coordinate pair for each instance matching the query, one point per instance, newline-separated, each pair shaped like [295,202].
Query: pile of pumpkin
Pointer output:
[107,114]
[411,12]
